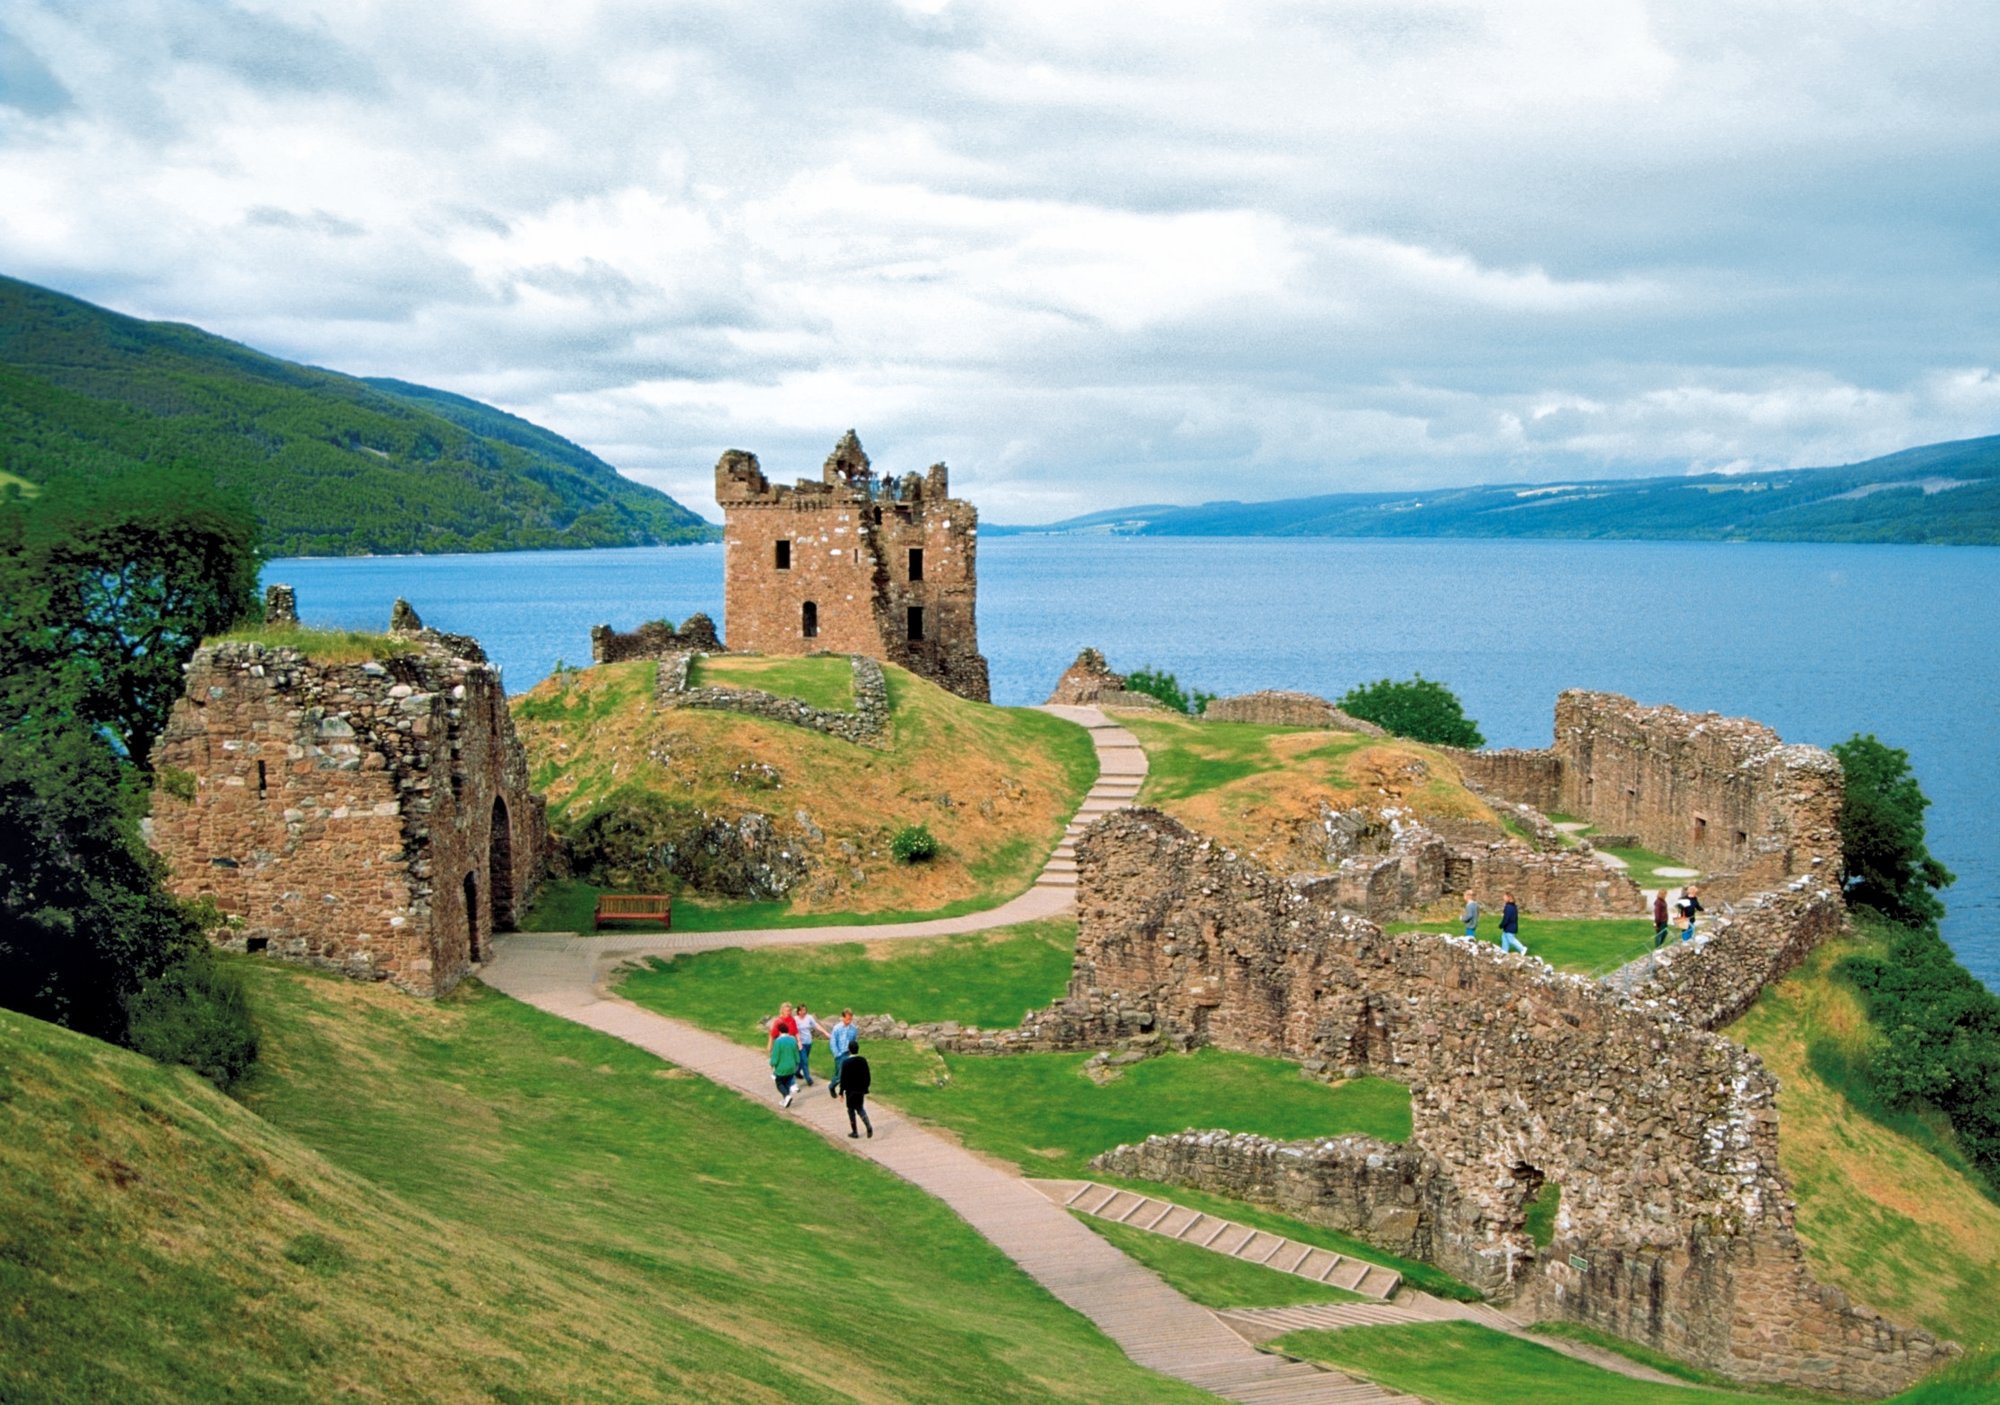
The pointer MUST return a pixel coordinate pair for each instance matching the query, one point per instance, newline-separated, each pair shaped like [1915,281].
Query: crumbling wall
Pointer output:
[345,813]
[1675,1227]
[1275,707]
[1747,946]
[1529,777]
[656,639]
[1089,682]
[853,564]
[866,725]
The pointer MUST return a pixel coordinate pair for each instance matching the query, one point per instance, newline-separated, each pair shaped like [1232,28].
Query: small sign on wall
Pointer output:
[1579,1263]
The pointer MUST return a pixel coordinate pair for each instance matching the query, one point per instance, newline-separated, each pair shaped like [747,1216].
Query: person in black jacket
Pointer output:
[854,1088]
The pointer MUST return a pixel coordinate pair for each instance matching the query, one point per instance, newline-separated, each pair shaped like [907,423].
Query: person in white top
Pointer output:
[808,1030]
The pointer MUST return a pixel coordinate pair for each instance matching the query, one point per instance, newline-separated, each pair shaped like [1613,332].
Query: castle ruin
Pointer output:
[853,564]
[370,817]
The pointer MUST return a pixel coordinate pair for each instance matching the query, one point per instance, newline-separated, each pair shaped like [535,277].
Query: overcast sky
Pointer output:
[1091,255]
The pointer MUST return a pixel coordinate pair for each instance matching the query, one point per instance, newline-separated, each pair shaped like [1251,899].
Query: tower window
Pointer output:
[916,624]
[809,620]
[784,555]
[263,781]
[916,563]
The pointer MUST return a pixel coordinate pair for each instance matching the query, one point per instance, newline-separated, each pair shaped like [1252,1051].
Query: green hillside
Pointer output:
[1945,494]
[334,465]
[468,1200]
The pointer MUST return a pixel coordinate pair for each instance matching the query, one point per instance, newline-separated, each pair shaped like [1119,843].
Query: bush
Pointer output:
[1419,708]
[914,843]
[1164,687]
[195,1014]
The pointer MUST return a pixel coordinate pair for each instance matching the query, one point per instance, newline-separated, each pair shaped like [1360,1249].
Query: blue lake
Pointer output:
[1819,641]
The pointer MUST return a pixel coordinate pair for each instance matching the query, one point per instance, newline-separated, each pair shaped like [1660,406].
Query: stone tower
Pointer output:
[852,564]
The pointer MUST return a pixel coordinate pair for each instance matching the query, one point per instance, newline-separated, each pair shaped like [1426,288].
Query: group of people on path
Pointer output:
[1686,908]
[1510,922]
[792,1034]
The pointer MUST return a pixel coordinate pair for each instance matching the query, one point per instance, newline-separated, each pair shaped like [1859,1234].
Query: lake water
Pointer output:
[1819,641]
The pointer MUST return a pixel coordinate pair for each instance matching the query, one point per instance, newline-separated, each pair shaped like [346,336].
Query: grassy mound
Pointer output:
[468,1200]
[1887,1208]
[995,785]
[329,646]
[1260,789]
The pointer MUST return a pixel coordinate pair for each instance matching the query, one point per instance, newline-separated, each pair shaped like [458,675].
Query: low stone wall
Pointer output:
[866,725]
[656,639]
[1675,1227]
[1420,867]
[1277,707]
[1714,980]
[1532,778]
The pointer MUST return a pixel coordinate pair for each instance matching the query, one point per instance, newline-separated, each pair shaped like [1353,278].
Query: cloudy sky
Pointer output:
[1090,254]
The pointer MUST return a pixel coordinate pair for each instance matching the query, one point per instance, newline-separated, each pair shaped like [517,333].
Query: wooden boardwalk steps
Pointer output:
[1221,1236]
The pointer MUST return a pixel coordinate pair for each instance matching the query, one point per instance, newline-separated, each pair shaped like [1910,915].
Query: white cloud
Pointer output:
[1091,254]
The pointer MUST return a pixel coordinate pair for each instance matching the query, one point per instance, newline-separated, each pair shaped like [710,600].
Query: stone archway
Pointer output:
[500,868]
[471,890]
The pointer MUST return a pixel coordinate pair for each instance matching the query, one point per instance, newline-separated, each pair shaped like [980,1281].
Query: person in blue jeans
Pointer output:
[1471,916]
[841,1039]
[1510,927]
[808,1030]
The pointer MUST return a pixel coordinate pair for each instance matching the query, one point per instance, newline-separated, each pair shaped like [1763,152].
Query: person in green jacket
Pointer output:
[784,1065]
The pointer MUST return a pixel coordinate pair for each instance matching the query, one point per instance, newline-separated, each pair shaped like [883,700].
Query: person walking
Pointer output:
[1471,916]
[808,1028]
[1689,907]
[781,1023]
[1660,925]
[1510,926]
[854,1079]
[841,1041]
[784,1065]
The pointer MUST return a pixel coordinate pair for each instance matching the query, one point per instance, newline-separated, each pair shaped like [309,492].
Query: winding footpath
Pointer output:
[569,976]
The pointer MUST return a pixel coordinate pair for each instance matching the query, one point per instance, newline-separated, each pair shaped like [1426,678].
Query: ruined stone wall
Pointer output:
[866,725]
[1751,943]
[888,569]
[1281,708]
[656,639]
[1529,777]
[339,810]
[1662,1135]
[1558,883]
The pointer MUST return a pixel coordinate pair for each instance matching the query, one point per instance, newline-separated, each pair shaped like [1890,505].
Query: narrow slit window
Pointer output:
[809,620]
[784,555]
[1700,830]
[916,563]
[263,781]
[916,624]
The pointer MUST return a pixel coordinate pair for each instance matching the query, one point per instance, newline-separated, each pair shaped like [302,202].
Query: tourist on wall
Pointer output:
[854,1087]
[784,1065]
[1660,925]
[1471,916]
[1510,926]
[1689,906]
[842,1041]
[808,1028]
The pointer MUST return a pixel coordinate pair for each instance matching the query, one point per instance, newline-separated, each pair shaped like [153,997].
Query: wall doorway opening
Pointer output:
[471,887]
[500,869]
[809,620]
[916,624]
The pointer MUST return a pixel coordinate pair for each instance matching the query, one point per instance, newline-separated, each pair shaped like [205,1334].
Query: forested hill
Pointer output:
[1941,493]
[334,465]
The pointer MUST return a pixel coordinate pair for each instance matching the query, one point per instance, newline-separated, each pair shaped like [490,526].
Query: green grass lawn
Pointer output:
[331,646]
[1460,1363]
[1038,1111]
[1643,866]
[824,681]
[1590,946]
[1185,759]
[467,1200]
[1216,1280]
[566,905]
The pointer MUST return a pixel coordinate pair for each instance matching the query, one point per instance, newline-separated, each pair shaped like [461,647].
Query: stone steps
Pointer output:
[1239,1241]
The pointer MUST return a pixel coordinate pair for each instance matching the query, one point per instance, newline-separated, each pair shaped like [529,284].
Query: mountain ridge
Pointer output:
[334,464]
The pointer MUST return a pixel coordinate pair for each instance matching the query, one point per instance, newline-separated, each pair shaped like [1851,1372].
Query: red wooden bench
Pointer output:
[634,907]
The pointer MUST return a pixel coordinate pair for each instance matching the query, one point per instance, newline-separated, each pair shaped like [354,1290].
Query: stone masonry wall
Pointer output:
[1748,945]
[1662,1135]
[853,564]
[1530,777]
[656,639]
[867,724]
[1282,708]
[347,812]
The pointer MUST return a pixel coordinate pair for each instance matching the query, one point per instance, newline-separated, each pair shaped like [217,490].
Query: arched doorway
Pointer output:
[809,619]
[500,868]
[472,917]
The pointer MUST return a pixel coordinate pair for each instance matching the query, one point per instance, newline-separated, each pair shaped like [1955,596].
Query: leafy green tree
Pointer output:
[1165,687]
[1885,863]
[1419,708]
[119,580]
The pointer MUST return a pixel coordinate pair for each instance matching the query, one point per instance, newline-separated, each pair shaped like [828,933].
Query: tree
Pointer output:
[1885,863]
[1419,708]
[118,580]
[1165,687]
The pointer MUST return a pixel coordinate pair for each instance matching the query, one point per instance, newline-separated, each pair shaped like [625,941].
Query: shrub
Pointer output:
[1165,687]
[1419,708]
[195,1014]
[1884,862]
[914,843]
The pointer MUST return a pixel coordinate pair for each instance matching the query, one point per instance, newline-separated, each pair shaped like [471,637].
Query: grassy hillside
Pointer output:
[1883,1210]
[334,465]
[995,785]
[467,1200]
[1940,493]
[1260,789]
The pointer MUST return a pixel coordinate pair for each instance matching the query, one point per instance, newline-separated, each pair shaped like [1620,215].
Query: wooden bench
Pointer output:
[634,907]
